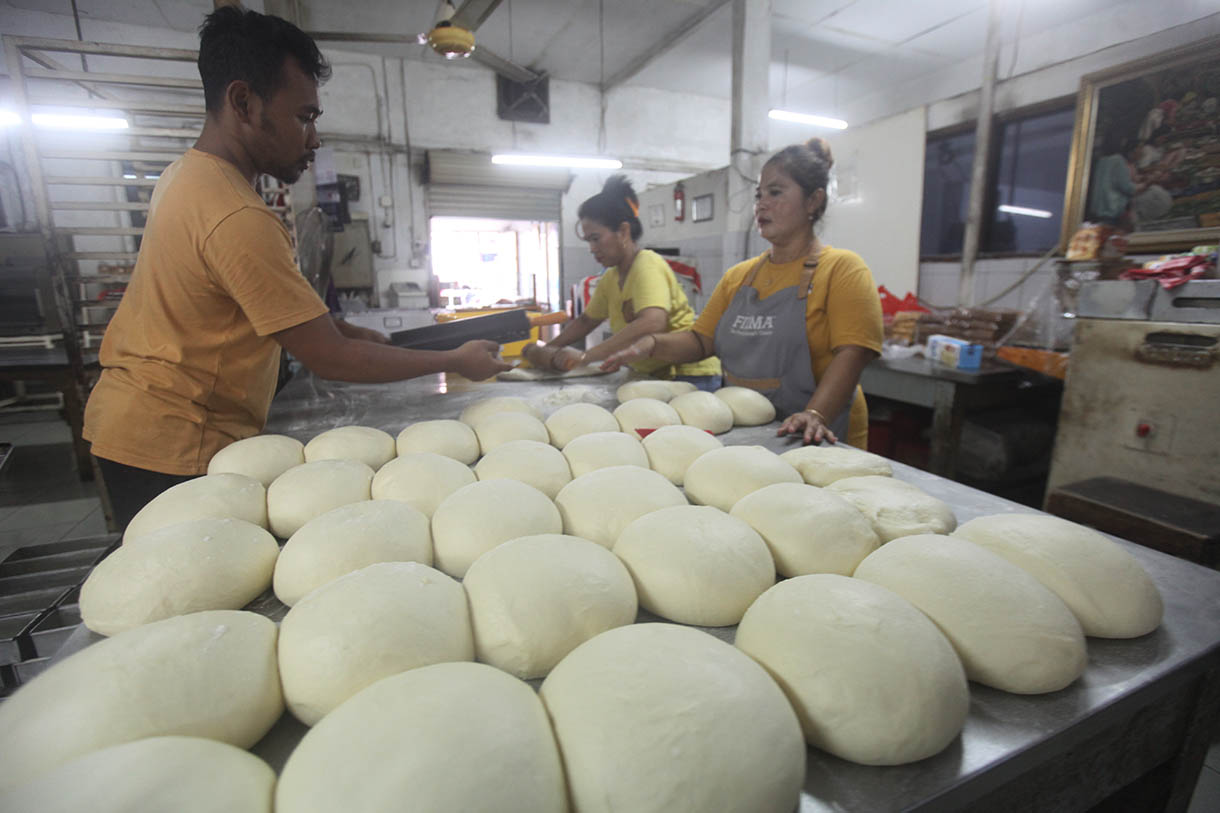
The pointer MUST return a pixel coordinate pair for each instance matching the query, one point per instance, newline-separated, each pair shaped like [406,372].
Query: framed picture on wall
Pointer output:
[1146,150]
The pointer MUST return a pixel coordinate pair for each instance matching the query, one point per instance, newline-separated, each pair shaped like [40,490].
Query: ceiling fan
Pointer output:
[451,36]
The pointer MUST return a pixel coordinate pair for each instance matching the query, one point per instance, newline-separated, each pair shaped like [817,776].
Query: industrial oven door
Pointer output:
[1140,403]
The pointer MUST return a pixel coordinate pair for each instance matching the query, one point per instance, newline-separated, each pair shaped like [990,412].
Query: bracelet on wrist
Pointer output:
[817,415]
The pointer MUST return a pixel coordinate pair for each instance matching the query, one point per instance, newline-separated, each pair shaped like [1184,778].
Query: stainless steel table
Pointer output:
[1138,721]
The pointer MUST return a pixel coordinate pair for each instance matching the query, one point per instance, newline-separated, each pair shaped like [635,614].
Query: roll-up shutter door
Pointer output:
[469,185]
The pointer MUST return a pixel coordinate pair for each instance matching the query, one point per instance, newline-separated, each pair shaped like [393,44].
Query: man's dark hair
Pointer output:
[238,44]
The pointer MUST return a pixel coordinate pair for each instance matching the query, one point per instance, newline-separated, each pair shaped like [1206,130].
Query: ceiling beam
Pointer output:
[670,38]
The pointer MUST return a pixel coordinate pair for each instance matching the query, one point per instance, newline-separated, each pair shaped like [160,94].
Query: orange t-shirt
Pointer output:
[842,309]
[188,361]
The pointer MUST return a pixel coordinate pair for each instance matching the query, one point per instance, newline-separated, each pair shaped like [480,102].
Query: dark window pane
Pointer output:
[1029,183]
[946,193]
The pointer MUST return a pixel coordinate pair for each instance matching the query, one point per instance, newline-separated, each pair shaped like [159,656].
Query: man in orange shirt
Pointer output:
[191,356]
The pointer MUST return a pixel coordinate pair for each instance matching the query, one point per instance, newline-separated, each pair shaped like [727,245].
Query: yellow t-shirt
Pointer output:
[188,362]
[650,283]
[842,309]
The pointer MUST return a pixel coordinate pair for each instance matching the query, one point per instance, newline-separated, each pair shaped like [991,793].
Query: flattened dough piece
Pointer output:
[478,517]
[823,465]
[809,530]
[1106,589]
[750,407]
[534,599]
[201,564]
[476,412]
[645,413]
[645,388]
[505,427]
[601,450]
[721,477]
[870,677]
[446,737]
[599,505]
[421,479]
[896,508]
[346,539]
[695,564]
[182,774]
[671,450]
[209,674]
[311,489]
[1009,631]
[213,495]
[704,411]
[263,457]
[540,465]
[572,421]
[369,624]
[370,446]
[448,438]
[660,718]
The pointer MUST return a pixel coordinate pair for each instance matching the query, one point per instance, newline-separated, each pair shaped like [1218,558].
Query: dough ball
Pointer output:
[895,508]
[1010,632]
[671,450]
[809,530]
[370,446]
[695,564]
[263,457]
[478,517]
[540,465]
[311,489]
[209,674]
[870,677]
[601,450]
[421,479]
[721,477]
[446,737]
[213,495]
[599,505]
[658,718]
[750,407]
[704,411]
[645,388]
[574,420]
[677,388]
[180,774]
[476,412]
[367,625]
[495,430]
[201,564]
[534,599]
[1103,585]
[349,538]
[822,465]
[645,413]
[448,438]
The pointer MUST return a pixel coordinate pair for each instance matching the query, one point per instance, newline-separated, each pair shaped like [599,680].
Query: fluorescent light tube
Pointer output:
[8,118]
[62,121]
[520,160]
[807,118]
[1021,210]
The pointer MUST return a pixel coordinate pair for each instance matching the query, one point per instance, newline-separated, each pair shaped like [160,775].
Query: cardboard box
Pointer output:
[956,353]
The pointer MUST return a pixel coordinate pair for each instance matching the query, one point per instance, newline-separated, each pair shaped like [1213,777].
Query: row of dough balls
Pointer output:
[874,668]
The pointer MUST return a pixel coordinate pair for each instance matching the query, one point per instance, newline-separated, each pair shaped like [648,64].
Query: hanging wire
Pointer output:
[512,57]
[601,78]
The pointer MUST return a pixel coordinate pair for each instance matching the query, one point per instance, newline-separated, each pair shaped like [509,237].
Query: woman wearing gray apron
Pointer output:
[798,323]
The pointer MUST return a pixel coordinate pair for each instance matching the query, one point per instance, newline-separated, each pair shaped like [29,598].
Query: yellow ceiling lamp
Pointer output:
[451,41]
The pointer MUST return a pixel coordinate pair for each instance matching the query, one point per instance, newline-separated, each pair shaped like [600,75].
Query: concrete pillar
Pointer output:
[751,101]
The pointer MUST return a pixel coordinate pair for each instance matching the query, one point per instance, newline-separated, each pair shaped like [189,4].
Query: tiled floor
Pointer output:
[42,500]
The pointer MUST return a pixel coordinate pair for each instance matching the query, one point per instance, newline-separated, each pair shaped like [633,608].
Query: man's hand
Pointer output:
[478,359]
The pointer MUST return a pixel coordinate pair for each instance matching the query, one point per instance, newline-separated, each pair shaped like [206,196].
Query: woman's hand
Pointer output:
[640,349]
[567,358]
[810,424]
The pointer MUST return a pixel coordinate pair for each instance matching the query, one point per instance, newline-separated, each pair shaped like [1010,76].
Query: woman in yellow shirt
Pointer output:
[639,294]
[799,322]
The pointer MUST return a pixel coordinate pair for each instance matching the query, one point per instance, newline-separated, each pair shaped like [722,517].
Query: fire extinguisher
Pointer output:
[679,202]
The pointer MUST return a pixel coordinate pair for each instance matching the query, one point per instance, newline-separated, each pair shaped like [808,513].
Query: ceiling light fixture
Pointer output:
[522,160]
[808,118]
[1021,210]
[61,121]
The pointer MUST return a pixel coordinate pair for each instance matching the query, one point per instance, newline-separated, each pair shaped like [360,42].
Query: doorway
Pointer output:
[485,262]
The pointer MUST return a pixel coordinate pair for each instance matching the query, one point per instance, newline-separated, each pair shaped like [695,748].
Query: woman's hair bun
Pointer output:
[619,187]
[821,150]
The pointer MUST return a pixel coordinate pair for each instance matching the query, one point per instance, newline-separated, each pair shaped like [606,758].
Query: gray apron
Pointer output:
[764,345]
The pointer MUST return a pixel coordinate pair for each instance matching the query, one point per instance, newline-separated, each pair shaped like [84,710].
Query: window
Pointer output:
[1025,186]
